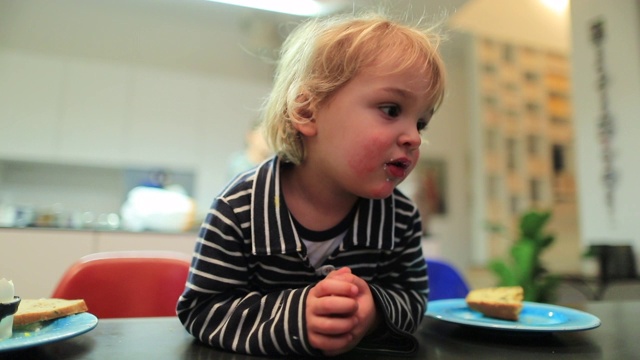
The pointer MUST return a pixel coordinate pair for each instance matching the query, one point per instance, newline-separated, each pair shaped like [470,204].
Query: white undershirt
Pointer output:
[319,251]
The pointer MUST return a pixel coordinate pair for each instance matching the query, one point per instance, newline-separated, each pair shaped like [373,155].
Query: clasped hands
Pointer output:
[340,311]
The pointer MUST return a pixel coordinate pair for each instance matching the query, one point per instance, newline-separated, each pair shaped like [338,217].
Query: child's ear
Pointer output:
[305,123]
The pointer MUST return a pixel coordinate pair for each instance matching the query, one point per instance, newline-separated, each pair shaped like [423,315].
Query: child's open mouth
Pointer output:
[397,168]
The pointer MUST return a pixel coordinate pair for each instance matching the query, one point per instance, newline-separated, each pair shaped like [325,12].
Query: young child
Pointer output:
[315,251]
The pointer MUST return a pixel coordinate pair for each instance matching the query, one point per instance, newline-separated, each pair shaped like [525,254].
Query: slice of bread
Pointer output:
[35,310]
[499,302]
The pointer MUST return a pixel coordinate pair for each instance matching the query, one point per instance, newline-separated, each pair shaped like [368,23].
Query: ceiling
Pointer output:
[427,8]
[261,24]
[423,7]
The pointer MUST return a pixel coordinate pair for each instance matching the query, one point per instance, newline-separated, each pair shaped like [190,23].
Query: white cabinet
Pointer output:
[85,111]
[36,259]
[62,110]
[163,123]
[95,104]
[29,105]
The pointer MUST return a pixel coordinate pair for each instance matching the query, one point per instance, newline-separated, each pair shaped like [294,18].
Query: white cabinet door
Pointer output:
[165,113]
[95,112]
[30,90]
[36,259]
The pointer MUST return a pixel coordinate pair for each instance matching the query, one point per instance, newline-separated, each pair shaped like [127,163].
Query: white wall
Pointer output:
[622,66]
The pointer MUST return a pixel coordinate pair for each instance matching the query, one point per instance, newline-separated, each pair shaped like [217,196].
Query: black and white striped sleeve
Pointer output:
[400,289]
[219,306]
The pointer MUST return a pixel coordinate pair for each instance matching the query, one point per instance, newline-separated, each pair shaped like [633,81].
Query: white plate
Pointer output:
[52,331]
[536,317]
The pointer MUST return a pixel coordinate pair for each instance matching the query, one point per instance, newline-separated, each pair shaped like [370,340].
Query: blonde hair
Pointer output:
[323,54]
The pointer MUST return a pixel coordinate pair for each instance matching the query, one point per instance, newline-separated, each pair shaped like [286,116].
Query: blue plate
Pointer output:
[52,331]
[535,317]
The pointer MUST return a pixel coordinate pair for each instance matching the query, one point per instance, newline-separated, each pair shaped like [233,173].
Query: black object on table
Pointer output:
[616,266]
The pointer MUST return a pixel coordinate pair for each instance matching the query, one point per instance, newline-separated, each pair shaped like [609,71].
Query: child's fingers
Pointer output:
[336,287]
[344,273]
[332,325]
[342,270]
[334,306]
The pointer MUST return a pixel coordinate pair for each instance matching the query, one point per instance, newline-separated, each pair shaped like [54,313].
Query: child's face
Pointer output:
[368,131]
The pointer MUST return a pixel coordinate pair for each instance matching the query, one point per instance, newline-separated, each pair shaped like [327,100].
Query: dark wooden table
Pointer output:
[164,338]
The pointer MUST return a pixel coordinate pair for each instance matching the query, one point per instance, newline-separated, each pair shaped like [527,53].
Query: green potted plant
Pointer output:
[524,267]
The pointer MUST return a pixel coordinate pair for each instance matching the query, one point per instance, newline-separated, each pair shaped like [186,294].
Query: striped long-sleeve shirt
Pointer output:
[250,274]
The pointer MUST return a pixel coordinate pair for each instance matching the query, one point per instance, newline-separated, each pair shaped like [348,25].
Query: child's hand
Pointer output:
[340,312]
[330,311]
[366,315]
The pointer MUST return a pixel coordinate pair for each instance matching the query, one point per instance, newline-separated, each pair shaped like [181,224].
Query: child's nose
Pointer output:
[410,138]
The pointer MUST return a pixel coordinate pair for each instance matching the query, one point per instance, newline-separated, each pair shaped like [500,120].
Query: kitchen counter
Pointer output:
[36,258]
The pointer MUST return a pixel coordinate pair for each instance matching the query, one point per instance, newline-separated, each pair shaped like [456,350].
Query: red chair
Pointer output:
[124,284]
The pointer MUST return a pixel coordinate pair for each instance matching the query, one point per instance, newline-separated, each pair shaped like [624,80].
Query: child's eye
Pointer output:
[422,125]
[391,110]
[423,122]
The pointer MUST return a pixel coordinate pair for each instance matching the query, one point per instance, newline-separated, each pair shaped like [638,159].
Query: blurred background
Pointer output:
[98,98]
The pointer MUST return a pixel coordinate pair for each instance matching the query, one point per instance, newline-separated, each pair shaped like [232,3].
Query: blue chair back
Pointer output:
[445,281]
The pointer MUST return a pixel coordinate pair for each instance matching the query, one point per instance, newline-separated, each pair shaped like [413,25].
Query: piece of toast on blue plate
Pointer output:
[37,310]
[503,302]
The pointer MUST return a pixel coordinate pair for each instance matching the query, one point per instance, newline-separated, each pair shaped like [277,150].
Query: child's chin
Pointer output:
[383,192]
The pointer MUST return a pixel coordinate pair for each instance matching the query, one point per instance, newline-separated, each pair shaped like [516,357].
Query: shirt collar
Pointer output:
[273,230]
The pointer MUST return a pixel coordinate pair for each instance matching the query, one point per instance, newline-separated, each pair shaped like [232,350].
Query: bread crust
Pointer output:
[35,310]
[500,302]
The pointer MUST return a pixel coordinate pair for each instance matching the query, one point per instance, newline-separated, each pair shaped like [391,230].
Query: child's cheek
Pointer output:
[364,159]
